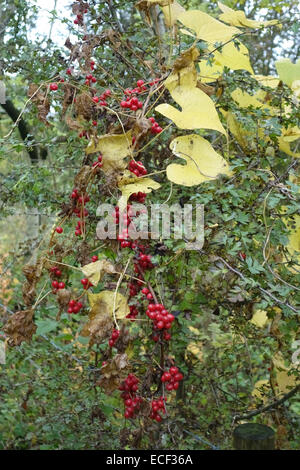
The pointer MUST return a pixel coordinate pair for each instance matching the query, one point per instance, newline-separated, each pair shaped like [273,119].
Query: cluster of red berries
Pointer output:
[133,312]
[155,128]
[89,78]
[78,231]
[131,103]
[156,406]
[79,210]
[74,307]
[98,163]
[131,400]
[101,100]
[114,336]
[147,293]
[172,377]
[86,283]
[58,285]
[79,17]
[55,271]
[144,261]
[137,168]
[94,258]
[162,318]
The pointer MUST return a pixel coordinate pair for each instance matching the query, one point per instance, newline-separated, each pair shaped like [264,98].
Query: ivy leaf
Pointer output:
[202,162]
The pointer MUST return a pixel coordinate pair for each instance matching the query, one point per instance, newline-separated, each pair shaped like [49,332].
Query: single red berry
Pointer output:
[59,230]
[53,86]
[61,285]
[55,284]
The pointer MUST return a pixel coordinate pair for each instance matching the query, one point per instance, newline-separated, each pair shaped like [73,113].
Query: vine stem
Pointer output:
[116,291]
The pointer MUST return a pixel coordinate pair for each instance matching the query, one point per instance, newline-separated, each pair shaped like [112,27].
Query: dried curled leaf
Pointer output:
[95,270]
[113,373]
[130,184]
[114,148]
[202,162]
[32,273]
[20,327]
[41,101]
[99,326]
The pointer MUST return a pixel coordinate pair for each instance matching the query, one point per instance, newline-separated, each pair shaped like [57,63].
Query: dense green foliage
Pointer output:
[50,399]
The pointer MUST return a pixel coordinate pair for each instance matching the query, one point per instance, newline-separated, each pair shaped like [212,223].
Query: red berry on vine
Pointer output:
[54,284]
[59,230]
[61,285]
[53,86]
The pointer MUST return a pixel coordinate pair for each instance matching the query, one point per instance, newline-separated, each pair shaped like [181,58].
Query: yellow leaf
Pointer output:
[130,184]
[287,71]
[171,13]
[261,390]
[267,80]
[207,28]
[105,300]
[114,148]
[284,380]
[242,135]
[94,271]
[198,110]
[238,18]
[260,318]
[245,100]
[195,349]
[202,162]
[209,72]
[233,57]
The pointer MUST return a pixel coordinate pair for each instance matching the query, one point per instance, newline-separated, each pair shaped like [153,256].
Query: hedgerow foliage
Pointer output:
[156,103]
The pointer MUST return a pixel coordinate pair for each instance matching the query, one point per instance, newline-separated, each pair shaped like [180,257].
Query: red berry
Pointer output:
[53,86]
[59,229]
[173,370]
[140,83]
[55,284]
